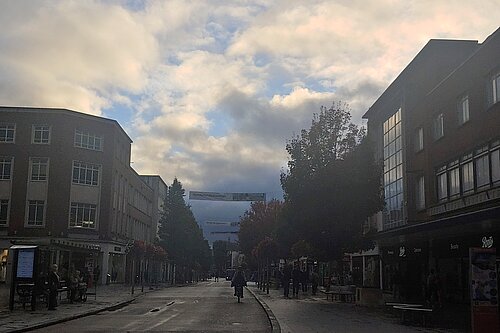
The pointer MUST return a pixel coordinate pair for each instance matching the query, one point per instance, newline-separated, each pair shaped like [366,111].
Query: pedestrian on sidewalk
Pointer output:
[53,281]
[315,282]
[296,277]
[304,280]
[287,275]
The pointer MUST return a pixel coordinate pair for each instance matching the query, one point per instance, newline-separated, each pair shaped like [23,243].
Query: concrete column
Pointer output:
[381,266]
[364,269]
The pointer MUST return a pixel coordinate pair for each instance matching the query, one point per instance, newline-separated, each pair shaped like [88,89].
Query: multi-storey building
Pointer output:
[437,131]
[66,185]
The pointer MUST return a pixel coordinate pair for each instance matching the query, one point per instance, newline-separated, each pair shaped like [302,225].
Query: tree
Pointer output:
[259,222]
[219,249]
[180,235]
[331,186]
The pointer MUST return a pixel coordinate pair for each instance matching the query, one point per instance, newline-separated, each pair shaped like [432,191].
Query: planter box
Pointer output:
[369,296]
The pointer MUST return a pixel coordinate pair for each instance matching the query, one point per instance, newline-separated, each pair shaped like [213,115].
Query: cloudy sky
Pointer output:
[211,90]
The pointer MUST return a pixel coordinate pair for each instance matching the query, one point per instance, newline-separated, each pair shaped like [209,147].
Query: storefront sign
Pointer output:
[487,242]
[402,251]
[390,252]
[484,290]
[417,250]
[118,249]
[453,246]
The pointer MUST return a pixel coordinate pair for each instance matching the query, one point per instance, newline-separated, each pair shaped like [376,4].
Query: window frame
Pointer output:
[419,139]
[2,168]
[7,211]
[34,131]
[461,110]
[79,207]
[84,141]
[28,211]
[14,130]
[32,164]
[420,193]
[87,167]
[494,85]
[438,124]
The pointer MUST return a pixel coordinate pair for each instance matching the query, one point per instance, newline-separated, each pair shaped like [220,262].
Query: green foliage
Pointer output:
[179,233]
[332,184]
[259,222]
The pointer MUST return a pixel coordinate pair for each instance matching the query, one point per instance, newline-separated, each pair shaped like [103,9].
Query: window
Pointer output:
[463,110]
[87,140]
[5,168]
[495,165]
[420,193]
[393,172]
[454,181]
[442,183]
[495,88]
[419,139]
[82,215]
[438,127]
[7,132]
[39,168]
[40,134]
[467,176]
[85,173]
[482,167]
[4,212]
[35,213]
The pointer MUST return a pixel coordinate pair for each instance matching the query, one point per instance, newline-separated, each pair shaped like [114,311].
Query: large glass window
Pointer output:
[7,132]
[467,176]
[35,213]
[442,183]
[420,193]
[88,140]
[85,173]
[454,181]
[495,88]
[419,139]
[463,110]
[41,134]
[393,171]
[82,215]
[495,165]
[39,168]
[5,168]
[482,167]
[4,212]
[438,126]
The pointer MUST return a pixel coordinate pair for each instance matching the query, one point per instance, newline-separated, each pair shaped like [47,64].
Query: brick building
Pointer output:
[437,130]
[66,185]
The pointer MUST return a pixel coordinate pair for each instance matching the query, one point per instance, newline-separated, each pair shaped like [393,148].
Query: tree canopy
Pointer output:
[332,184]
[179,233]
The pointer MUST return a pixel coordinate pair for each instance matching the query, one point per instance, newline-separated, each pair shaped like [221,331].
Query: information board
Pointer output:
[25,263]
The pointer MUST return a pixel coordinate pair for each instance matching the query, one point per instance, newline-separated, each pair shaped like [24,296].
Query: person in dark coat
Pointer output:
[315,282]
[285,280]
[296,277]
[238,282]
[304,280]
[53,281]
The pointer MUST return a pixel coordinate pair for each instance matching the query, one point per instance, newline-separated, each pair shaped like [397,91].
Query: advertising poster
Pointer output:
[25,263]
[484,290]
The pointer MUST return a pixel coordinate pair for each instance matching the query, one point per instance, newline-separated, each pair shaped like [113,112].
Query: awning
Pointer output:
[76,244]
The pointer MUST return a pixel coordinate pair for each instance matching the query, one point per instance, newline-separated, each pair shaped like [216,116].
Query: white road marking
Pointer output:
[161,322]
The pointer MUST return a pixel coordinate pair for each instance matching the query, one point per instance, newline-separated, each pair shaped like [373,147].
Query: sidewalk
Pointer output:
[108,297]
[315,314]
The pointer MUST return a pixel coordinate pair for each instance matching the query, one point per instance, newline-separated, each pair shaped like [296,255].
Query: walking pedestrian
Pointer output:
[304,280]
[287,275]
[315,282]
[295,281]
[53,281]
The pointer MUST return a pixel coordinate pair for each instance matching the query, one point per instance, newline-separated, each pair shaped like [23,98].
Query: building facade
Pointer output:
[66,185]
[437,131]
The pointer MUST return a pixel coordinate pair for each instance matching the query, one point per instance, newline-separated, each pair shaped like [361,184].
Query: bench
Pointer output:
[342,293]
[418,309]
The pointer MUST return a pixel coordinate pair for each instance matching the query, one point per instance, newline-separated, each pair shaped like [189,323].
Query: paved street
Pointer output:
[205,307]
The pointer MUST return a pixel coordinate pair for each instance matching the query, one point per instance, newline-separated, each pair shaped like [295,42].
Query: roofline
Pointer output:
[405,69]
[472,55]
[161,179]
[67,111]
